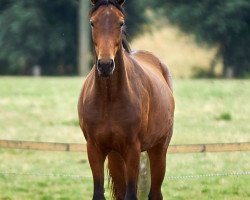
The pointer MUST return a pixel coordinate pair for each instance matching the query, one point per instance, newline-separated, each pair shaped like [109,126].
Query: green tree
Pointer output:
[225,23]
[38,33]
[45,33]
[136,17]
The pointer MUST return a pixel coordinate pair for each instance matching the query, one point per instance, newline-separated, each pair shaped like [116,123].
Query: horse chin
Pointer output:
[105,73]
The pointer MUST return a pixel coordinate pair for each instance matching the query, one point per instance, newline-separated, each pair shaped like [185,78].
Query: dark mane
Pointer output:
[115,3]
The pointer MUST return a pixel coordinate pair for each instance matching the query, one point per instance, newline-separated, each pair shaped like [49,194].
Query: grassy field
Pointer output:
[44,109]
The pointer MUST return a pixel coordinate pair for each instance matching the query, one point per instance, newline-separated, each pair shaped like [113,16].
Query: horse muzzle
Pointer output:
[105,67]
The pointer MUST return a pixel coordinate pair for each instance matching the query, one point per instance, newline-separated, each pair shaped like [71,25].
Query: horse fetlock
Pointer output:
[131,197]
[155,196]
[99,197]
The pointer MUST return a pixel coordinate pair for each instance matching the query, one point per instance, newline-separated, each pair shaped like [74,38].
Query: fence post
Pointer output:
[84,38]
[144,178]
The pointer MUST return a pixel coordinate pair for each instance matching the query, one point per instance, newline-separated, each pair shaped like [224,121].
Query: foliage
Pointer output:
[136,17]
[45,33]
[224,23]
[38,33]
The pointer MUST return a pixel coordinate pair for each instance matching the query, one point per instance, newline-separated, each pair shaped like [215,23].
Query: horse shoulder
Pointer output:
[85,98]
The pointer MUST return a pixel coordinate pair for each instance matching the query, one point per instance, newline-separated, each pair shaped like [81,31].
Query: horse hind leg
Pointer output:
[157,157]
[116,167]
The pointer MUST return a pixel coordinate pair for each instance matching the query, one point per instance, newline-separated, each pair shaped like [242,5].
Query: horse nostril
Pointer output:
[112,63]
[105,63]
[98,63]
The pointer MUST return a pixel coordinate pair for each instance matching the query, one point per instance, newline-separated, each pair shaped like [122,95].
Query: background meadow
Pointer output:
[44,109]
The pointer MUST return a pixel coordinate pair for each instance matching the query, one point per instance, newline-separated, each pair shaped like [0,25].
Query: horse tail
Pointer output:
[117,176]
[167,75]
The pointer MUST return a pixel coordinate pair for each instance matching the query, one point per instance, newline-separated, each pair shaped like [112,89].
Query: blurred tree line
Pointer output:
[45,33]
[224,23]
[38,32]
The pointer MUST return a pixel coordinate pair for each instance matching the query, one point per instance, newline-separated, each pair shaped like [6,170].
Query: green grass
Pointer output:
[41,109]
[44,109]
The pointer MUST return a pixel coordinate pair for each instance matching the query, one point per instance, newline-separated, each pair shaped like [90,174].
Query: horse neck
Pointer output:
[109,88]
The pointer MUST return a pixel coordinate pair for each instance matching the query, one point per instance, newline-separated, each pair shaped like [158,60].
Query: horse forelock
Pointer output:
[115,3]
[106,2]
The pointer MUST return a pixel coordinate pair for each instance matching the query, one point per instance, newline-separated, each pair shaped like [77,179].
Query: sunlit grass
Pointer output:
[41,109]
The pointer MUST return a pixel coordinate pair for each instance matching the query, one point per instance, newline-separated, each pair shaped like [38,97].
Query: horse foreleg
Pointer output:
[132,160]
[157,157]
[96,160]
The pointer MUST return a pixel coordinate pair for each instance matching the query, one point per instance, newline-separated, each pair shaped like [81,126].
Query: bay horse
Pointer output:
[126,106]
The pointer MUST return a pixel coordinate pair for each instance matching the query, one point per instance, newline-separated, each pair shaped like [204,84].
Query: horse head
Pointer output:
[107,22]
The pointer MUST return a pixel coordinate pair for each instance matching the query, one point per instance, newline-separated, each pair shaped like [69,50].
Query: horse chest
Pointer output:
[112,122]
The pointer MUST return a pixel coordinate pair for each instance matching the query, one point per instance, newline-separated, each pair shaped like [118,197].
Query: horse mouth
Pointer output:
[105,75]
[105,71]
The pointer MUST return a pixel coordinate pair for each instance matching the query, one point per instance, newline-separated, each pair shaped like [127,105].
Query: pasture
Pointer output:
[44,109]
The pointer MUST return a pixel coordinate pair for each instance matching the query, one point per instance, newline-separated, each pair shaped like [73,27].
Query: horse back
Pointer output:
[154,64]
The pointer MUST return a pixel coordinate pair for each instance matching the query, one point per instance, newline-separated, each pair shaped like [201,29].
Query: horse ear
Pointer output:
[121,2]
[94,1]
